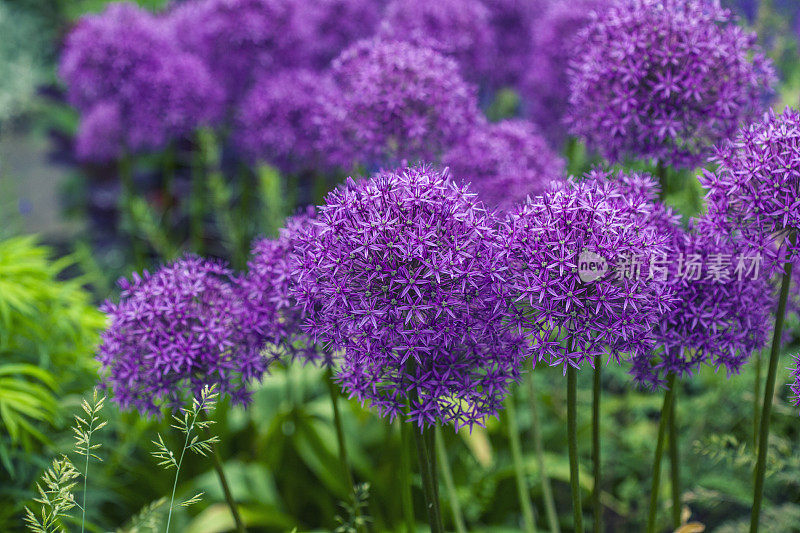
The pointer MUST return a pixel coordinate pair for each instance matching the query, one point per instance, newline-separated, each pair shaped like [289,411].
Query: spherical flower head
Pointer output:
[280,120]
[512,23]
[575,312]
[103,50]
[398,102]
[754,191]
[722,311]
[553,36]
[100,136]
[664,80]
[460,29]
[175,331]
[239,40]
[406,277]
[277,317]
[505,162]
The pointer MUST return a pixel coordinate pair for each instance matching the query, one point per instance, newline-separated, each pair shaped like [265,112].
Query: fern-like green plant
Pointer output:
[55,497]
[191,421]
[84,429]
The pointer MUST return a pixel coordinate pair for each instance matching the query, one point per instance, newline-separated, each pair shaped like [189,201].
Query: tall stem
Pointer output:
[523,492]
[661,172]
[178,471]
[127,210]
[86,473]
[405,473]
[769,391]
[674,460]
[663,422]
[597,510]
[757,400]
[572,441]
[337,422]
[226,490]
[426,468]
[449,484]
[547,491]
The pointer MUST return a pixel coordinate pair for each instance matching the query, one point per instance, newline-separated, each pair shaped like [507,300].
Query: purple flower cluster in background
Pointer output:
[664,80]
[407,275]
[505,162]
[177,330]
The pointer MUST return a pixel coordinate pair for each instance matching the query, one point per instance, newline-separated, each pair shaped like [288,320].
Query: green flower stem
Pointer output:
[197,198]
[572,441]
[757,400]
[337,422]
[663,178]
[769,391]
[447,474]
[178,471]
[226,490]
[127,211]
[674,460]
[547,491]
[596,389]
[427,466]
[663,422]
[523,492]
[405,473]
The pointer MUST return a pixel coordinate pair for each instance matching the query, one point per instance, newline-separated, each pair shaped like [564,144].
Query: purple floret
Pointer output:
[175,331]
[398,102]
[406,276]
[505,162]
[664,80]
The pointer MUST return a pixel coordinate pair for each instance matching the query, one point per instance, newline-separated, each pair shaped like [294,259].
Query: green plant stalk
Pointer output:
[596,389]
[337,422]
[662,174]
[198,192]
[547,491]
[450,486]
[426,466]
[674,460]
[757,400]
[523,492]
[572,441]
[128,193]
[226,490]
[86,474]
[663,422]
[405,473]
[769,392]
[178,471]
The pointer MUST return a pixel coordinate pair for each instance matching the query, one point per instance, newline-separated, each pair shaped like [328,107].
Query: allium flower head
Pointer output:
[553,34]
[664,80]
[398,102]
[280,119]
[754,192]
[460,29]
[239,40]
[277,317]
[512,22]
[175,331]
[505,162]
[406,275]
[574,315]
[100,134]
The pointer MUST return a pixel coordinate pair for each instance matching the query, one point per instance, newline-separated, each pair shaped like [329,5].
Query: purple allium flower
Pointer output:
[278,319]
[543,85]
[460,29]
[398,102]
[100,134]
[754,191]
[664,80]
[239,40]
[575,318]
[175,331]
[406,275]
[505,162]
[512,23]
[279,120]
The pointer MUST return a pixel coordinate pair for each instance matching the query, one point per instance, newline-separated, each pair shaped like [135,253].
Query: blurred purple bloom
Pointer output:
[664,80]
[505,162]
[512,23]
[280,119]
[398,102]
[175,331]
[100,133]
[460,29]
[406,275]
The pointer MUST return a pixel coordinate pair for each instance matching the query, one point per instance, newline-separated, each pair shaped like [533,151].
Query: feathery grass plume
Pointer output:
[84,429]
[55,497]
[189,423]
[355,518]
[148,519]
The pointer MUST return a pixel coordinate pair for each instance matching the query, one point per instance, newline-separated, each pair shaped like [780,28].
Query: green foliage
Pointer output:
[55,497]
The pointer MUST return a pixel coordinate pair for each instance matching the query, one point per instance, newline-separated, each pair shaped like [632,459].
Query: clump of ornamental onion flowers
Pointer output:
[398,102]
[277,319]
[280,119]
[405,275]
[505,162]
[460,29]
[512,23]
[176,331]
[664,80]
[574,320]
[135,89]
